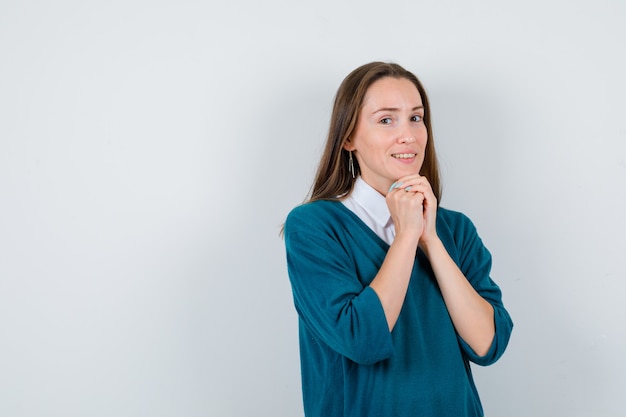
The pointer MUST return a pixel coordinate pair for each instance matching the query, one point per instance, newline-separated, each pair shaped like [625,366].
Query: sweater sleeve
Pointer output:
[330,300]
[474,260]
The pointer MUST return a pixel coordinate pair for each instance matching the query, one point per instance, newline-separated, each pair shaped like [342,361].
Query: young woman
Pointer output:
[393,292]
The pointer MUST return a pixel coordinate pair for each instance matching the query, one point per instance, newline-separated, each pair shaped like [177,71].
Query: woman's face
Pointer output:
[390,137]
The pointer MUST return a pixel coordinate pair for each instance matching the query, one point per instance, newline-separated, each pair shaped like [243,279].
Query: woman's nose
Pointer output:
[406,139]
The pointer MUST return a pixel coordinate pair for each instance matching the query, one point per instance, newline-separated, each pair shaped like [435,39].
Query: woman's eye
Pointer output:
[416,118]
[385,121]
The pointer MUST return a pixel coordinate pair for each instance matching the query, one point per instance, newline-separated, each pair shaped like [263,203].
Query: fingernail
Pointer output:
[395,185]
[407,188]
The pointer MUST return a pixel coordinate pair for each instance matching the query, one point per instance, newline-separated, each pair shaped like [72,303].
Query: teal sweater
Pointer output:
[351,364]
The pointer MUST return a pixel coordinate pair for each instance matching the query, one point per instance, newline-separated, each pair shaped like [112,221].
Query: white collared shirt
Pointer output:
[371,207]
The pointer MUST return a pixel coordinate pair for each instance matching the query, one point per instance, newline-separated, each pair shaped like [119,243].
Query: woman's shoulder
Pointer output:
[455,221]
[315,212]
[451,215]
[315,208]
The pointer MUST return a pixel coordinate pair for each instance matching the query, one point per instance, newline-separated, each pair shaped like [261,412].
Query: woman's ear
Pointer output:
[348,145]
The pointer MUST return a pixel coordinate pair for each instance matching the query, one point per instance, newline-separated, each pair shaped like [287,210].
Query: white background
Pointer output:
[150,151]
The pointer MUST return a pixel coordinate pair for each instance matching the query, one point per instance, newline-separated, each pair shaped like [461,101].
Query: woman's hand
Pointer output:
[413,208]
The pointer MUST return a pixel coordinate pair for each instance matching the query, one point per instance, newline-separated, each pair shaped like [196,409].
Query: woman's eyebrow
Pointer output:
[395,109]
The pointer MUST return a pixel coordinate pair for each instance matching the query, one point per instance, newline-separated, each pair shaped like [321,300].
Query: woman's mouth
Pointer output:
[403,155]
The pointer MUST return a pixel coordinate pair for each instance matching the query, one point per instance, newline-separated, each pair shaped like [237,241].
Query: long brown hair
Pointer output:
[333,179]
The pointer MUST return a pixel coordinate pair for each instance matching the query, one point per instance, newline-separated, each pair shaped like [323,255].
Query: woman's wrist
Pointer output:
[407,237]
[431,245]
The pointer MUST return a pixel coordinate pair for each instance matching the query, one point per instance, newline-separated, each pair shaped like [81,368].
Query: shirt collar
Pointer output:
[372,201]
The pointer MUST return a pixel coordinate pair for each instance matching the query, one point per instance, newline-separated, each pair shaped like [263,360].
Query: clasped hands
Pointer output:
[413,208]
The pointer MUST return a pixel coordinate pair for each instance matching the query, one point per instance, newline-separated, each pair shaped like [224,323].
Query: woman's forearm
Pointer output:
[392,281]
[472,315]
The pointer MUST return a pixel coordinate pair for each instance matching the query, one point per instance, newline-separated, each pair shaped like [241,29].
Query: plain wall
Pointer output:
[150,151]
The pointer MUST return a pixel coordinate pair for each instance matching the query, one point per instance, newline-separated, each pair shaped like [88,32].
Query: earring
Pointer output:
[351,164]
